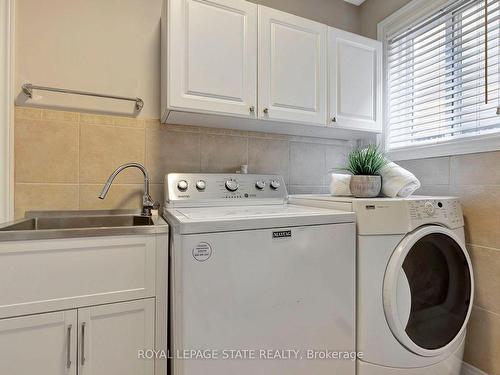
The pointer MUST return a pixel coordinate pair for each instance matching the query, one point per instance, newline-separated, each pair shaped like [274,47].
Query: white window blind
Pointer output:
[443,76]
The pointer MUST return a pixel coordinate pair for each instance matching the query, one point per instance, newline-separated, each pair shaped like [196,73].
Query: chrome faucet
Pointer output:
[147,202]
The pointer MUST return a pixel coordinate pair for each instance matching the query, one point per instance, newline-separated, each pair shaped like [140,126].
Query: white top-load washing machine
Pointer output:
[414,282]
[258,286]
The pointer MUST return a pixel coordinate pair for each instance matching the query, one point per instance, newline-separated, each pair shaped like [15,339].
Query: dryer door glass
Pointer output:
[440,285]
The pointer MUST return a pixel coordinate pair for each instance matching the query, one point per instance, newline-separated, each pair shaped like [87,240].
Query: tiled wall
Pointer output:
[62,159]
[475,178]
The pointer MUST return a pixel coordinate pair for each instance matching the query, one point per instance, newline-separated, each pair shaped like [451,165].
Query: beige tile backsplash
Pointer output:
[46,151]
[269,156]
[103,148]
[486,263]
[482,348]
[223,153]
[45,197]
[62,159]
[123,196]
[475,178]
[171,151]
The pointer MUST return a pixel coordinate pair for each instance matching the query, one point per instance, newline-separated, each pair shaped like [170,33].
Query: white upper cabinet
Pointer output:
[292,68]
[235,64]
[355,74]
[211,56]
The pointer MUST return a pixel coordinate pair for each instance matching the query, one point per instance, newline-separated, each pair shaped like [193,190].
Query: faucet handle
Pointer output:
[149,204]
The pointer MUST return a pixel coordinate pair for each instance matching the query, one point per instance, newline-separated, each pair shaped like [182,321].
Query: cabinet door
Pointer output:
[292,68]
[39,344]
[212,47]
[111,336]
[355,70]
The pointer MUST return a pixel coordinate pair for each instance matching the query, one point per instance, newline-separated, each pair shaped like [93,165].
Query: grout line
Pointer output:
[289,162]
[77,184]
[481,246]
[146,157]
[113,126]
[324,171]
[486,310]
[476,185]
[145,150]
[248,153]
[78,160]
[49,183]
[199,153]
[449,170]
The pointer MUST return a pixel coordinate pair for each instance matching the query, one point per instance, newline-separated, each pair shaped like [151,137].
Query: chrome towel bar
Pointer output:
[28,90]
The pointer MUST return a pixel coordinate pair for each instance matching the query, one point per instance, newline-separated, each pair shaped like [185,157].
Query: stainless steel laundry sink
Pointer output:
[66,224]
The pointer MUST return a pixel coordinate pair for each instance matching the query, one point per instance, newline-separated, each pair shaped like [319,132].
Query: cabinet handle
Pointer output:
[252,109]
[334,119]
[68,347]
[83,344]
[266,110]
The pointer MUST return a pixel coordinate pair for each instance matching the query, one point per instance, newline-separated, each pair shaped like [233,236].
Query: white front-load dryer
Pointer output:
[414,283]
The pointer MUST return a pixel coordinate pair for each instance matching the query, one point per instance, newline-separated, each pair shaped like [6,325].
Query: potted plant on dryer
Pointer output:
[365,164]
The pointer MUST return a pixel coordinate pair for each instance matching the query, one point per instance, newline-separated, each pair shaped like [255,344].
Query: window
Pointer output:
[443,77]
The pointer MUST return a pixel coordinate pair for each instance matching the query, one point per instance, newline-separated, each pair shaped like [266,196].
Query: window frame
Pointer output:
[407,16]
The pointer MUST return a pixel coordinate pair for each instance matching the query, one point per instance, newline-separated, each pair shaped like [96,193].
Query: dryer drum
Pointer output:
[428,290]
[440,287]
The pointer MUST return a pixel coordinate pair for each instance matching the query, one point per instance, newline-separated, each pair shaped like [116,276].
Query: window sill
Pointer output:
[486,143]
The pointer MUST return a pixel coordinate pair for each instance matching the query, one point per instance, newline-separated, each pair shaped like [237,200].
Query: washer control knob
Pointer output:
[232,185]
[260,184]
[182,185]
[275,184]
[429,208]
[201,185]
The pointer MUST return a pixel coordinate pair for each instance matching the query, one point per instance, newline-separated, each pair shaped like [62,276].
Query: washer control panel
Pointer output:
[436,210]
[199,189]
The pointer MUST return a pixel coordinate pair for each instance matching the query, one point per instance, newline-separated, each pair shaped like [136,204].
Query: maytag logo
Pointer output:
[282,234]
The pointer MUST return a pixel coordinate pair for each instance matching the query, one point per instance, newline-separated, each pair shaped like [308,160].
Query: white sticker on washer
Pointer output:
[202,252]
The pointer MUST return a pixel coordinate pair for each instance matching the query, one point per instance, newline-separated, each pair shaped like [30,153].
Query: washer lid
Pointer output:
[428,290]
[224,219]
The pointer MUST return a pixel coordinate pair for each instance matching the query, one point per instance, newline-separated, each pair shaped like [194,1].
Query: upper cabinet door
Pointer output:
[292,68]
[212,49]
[355,70]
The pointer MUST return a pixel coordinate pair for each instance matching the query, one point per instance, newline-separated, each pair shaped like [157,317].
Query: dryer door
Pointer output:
[428,290]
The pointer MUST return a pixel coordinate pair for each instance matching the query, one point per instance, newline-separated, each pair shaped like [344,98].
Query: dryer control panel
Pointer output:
[402,215]
[206,189]
[445,211]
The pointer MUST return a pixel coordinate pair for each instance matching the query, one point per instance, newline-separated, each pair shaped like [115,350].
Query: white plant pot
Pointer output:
[365,186]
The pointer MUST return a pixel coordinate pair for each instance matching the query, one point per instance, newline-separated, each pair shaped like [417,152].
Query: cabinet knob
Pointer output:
[266,110]
[252,109]
[334,119]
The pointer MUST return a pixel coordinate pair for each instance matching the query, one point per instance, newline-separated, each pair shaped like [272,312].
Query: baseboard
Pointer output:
[471,370]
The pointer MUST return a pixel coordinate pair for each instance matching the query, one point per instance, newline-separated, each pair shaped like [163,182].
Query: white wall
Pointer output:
[113,46]
[5,110]
[336,13]
[371,12]
[107,46]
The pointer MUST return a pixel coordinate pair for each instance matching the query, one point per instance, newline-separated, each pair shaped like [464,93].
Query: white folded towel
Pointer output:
[340,184]
[397,181]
